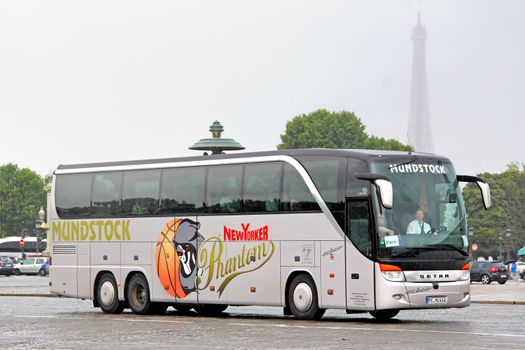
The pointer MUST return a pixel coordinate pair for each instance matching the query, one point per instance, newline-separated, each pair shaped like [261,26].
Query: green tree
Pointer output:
[325,129]
[21,196]
[507,212]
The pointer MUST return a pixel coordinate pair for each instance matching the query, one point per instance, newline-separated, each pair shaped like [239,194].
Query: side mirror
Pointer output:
[386,192]
[482,185]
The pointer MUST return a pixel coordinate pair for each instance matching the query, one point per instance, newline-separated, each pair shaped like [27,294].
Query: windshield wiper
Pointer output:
[408,253]
[443,245]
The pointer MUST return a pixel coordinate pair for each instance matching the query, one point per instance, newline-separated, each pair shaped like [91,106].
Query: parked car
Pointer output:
[31,266]
[488,271]
[6,266]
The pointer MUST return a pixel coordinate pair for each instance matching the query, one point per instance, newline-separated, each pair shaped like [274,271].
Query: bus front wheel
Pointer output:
[302,298]
[107,295]
[384,315]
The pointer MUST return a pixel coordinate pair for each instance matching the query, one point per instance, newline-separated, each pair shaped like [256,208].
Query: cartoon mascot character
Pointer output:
[176,256]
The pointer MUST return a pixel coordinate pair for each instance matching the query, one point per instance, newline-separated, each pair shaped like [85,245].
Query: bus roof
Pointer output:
[364,154]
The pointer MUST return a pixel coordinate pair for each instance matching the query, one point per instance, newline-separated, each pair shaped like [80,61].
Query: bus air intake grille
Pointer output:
[65,249]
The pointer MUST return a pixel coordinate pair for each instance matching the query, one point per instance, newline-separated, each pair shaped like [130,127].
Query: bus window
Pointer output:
[224,188]
[295,195]
[355,187]
[140,192]
[73,195]
[106,193]
[183,190]
[328,175]
[358,228]
[262,187]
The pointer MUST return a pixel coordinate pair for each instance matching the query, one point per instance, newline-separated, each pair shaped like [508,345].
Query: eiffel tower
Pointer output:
[419,127]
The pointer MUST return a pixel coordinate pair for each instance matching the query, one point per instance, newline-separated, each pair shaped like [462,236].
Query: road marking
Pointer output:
[382,329]
[150,320]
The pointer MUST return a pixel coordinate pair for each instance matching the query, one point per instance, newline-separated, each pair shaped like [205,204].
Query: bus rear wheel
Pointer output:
[302,298]
[384,315]
[107,295]
[138,298]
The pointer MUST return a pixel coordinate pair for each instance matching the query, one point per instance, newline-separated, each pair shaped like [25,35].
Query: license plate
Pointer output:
[436,300]
[503,276]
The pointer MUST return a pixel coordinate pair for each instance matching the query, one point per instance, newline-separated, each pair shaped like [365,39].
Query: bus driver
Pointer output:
[418,225]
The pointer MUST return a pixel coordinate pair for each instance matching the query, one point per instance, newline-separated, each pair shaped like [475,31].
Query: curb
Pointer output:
[39,295]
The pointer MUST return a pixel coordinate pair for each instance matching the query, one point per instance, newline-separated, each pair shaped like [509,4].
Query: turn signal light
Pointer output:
[466,266]
[392,273]
[386,267]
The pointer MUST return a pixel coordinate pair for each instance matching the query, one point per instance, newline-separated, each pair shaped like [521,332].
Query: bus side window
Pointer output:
[358,227]
[183,190]
[140,192]
[106,193]
[223,194]
[262,187]
[73,195]
[295,194]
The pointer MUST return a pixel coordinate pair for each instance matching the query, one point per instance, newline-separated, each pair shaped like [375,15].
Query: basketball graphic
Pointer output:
[176,256]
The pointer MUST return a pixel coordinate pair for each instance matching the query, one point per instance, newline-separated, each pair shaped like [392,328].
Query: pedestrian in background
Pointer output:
[513,270]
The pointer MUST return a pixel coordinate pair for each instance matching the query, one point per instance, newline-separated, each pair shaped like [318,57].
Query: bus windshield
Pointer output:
[427,214]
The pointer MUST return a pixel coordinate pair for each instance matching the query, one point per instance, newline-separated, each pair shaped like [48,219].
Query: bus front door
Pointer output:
[359,263]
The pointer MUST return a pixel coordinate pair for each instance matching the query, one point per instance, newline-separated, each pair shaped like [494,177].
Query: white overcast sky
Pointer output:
[88,81]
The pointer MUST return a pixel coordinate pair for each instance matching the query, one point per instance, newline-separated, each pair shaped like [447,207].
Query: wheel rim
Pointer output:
[139,295]
[107,293]
[485,279]
[302,297]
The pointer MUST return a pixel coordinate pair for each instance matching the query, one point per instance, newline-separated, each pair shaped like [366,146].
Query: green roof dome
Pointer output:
[216,144]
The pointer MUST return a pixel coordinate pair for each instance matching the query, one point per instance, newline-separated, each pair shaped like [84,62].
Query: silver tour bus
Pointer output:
[306,230]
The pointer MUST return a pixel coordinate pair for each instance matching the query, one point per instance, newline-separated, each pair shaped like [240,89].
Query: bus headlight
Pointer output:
[392,273]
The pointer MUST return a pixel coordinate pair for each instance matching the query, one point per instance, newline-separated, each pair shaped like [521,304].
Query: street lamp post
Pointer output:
[504,236]
[508,233]
[470,233]
[38,228]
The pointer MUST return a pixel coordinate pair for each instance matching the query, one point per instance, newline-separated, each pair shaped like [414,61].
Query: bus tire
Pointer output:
[210,309]
[137,295]
[302,298]
[107,295]
[384,315]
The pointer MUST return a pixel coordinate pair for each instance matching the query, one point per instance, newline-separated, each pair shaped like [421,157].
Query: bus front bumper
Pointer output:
[412,295]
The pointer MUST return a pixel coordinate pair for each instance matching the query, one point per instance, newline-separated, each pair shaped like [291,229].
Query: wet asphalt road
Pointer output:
[59,323]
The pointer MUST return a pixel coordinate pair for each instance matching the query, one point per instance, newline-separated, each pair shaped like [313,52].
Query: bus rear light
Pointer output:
[392,273]
[330,292]
[332,275]
[466,266]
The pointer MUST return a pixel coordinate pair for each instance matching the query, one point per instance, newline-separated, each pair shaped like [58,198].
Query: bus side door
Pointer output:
[359,263]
